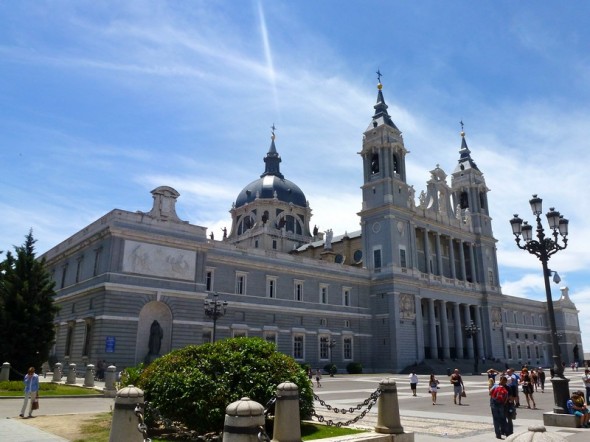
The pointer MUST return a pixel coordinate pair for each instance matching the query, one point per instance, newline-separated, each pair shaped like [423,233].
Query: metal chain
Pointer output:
[141,426]
[369,402]
[262,436]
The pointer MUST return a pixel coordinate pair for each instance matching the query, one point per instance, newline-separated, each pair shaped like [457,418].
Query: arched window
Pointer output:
[396,164]
[464,200]
[375,163]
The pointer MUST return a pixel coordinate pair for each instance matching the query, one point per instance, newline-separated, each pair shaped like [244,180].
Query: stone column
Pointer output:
[439,261]
[462,259]
[444,330]
[432,329]
[419,329]
[472,262]
[458,330]
[478,321]
[243,421]
[452,258]
[287,426]
[468,341]
[427,251]
[124,423]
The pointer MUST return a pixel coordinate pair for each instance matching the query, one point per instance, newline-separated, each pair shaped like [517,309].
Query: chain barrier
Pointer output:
[141,426]
[369,402]
[262,436]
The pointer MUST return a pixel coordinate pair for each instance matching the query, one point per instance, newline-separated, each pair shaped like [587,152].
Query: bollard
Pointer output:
[287,426]
[109,381]
[388,421]
[89,376]
[124,427]
[244,421]
[537,434]
[71,374]
[57,372]
[5,372]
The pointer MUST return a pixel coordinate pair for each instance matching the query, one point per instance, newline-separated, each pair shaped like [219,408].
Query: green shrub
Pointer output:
[331,369]
[195,384]
[20,386]
[354,368]
[130,376]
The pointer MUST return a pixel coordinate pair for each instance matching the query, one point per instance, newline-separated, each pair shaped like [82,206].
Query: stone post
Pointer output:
[388,420]
[89,376]
[244,420]
[110,378]
[57,372]
[287,426]
[124,424]
[5,373]
[537,433]
[71,374]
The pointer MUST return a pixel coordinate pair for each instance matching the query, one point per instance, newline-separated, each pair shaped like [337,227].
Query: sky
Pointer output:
[101,102]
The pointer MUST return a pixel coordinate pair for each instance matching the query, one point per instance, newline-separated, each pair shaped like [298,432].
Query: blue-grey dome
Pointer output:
[267,187]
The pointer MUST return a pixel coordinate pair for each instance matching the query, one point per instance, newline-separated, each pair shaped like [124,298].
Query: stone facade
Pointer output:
[399,291]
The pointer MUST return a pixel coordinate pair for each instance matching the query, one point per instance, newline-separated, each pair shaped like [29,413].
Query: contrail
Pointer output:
[268,56]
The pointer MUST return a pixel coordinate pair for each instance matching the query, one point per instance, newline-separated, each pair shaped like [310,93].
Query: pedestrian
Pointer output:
[310,374]
[499,397]
[318,377]
[535,378]
[586,380]
[413,382]
[31,391]
[512,386]
[527,388]
[458,387]
[492,373]
[541,375]
[433,387]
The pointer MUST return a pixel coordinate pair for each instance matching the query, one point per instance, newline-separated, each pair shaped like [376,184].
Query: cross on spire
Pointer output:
[273,128]
[379,75]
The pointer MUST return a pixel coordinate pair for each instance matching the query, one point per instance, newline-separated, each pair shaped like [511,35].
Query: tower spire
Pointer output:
[465,160]
[381,117]
[272,159]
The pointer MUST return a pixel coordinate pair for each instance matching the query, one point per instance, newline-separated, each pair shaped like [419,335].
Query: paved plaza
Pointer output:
[470,422]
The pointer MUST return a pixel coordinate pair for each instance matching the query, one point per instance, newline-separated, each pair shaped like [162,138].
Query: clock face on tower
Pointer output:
[376,227]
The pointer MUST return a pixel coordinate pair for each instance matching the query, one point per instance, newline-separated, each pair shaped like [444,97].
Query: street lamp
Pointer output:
[543,248]
[472,330]
[331,345]
[215,309]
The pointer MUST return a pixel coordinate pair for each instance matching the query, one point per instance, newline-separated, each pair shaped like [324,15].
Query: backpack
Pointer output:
[499,395]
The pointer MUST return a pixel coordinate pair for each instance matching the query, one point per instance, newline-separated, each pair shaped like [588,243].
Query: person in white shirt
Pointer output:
[413,382]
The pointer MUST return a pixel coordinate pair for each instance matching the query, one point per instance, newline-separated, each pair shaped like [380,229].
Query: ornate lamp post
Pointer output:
[472,330]
[543,248]
[331,346]
[215,309]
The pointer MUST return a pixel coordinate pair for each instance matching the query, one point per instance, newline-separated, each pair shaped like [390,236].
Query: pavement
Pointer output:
[470,422]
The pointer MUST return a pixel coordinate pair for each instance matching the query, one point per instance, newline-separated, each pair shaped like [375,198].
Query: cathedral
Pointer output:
[418,281]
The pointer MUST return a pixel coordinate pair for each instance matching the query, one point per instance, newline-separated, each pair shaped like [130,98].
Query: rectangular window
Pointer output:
[79,268]
[274,244]
[240,283]
[97,255]
[537,352]
[298,347]
[323,294]
[64,272]
[324,347]
[377,258]
[87,339]
[491,277]
[346,297]
[528,352]
[347,348]
[509,348]
[298,291]
[402,258]
[271,287]
[346,323]
[209,281]
[270,337]
[207,336]
[69,339]
[519,352]
[240,333]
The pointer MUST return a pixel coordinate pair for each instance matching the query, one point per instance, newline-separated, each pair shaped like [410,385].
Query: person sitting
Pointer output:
[576,406]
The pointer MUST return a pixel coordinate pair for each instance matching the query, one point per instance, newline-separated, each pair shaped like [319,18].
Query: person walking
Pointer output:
[541,375]
[433,387]
[527,388]
[458,387]
[318,377]
[586,380]
[499,397]
[31,391]
[413,382]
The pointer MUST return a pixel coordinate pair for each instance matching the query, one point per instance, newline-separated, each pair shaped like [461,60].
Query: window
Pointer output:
[69,339]
[519,352]
[346,323]
[346,296]
[375,163]
[97,255]
[324,347]
[240,283]
[517,335]
[347,347]
[239,331]
[87,338]
[209,281]
[271,287]
[270,337]
[402,258]
[64,272]
[537,351]
[207,336]
[490,277]
[298,347]
[79,268]
[377,258]
[528,352]
[323,322]
[323,294]
[509,352]
[298,290]
[274,244]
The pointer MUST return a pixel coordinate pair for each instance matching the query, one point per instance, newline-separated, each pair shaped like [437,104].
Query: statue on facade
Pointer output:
[156,335]
[328,242]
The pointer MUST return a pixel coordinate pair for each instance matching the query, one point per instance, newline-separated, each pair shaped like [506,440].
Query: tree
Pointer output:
[27,310]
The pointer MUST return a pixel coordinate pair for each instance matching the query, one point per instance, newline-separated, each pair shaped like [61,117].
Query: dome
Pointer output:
[270,186]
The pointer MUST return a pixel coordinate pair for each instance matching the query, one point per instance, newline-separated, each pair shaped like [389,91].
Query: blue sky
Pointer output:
[101,102]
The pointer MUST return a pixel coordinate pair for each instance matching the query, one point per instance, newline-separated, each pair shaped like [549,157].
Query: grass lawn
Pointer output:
[16,389]
[98,430]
